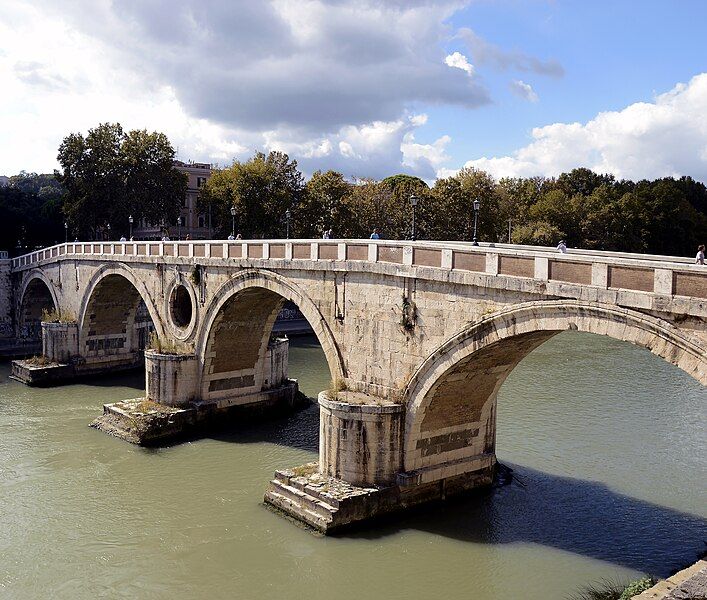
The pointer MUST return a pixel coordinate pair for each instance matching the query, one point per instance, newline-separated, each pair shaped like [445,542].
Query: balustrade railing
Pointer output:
[664,275]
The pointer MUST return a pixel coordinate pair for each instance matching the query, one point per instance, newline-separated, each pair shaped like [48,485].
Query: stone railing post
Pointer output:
[600,275]
[663,282]
[492,263]
[542,268]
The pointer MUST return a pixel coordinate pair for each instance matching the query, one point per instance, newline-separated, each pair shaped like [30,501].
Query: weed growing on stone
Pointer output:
[304,470]
[610,590]
[168,346]
[38,361]
[58,316]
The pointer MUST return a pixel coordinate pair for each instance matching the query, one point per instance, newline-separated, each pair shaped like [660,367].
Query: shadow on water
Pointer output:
[298,430]
[573,515]
[132,378]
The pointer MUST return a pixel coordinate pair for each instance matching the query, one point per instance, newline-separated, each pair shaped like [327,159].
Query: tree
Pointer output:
[453,216]
[323,205]
[109,175]
[261,190]
[31,212]
[399,211]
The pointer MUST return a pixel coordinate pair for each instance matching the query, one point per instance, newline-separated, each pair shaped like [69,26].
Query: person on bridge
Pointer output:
[230,237]
[239,236]
[328,234]
[375,235]
[562,247]
[122,238]
[700,258]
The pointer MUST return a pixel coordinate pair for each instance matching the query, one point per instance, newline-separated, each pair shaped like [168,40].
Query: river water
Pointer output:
[607,441]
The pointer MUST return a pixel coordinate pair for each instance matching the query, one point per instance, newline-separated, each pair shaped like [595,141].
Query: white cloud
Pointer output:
[375,149]
[524,90]
[332,81]
[457,60]
[666,137]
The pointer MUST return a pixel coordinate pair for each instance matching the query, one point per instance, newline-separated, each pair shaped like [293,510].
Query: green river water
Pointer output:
[607,441]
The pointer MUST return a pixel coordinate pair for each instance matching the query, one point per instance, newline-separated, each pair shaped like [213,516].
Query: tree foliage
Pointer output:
[261,190]
[31,212]
[110,174]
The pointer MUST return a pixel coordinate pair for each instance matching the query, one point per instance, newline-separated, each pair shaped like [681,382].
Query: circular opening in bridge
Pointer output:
[180,306]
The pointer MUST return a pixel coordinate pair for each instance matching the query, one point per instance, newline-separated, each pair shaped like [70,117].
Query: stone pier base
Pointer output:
[145,422]
[328,504]
[40,371]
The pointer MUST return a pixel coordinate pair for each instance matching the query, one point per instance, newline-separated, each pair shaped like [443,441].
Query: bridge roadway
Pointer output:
[418,336]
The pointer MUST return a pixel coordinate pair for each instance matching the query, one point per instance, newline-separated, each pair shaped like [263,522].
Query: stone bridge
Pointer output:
[418,336]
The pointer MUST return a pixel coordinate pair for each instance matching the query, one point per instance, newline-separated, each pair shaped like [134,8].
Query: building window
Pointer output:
[200,181]
[201,220]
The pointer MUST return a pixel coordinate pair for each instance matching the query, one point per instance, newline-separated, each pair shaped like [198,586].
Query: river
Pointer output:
[607,441]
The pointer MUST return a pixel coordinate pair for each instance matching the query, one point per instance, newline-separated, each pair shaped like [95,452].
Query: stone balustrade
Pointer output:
[661,275]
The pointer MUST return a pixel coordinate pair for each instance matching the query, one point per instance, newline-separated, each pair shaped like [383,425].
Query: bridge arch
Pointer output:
[451,398]
[116,314]
[36,295]
[236,329]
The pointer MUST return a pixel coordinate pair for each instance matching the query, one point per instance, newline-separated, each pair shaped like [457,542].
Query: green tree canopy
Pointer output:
[110,174]
[260,189]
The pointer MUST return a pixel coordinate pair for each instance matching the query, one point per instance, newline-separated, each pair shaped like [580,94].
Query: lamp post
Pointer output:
[130,223]
[233,222]
[510,230]
[288,215]
[108,228]
[477,205]
[179,228]
[413,203]
[66,232]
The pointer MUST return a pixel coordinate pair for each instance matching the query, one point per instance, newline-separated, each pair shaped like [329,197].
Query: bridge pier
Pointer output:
[62,361]
[360,474]
[173,405]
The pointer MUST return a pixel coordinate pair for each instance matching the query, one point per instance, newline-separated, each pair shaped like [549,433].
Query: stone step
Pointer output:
[312,491]
[303,499]
[282,499]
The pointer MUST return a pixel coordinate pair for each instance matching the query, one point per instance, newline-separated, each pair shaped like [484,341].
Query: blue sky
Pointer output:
[367,87]
[613,53]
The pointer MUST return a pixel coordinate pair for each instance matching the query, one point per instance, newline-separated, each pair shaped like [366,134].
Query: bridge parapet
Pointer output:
[651,274]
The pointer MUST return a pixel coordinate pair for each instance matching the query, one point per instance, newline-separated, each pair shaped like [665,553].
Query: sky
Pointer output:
[425,87]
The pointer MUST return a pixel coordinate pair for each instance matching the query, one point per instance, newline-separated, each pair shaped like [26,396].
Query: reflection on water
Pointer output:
[607,442]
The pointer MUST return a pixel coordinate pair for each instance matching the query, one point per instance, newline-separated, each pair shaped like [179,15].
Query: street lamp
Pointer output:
[233,222]
[288,215]
[66,232]
[477,206]
[413,203]
[179,228]
[130,222]
[108,228]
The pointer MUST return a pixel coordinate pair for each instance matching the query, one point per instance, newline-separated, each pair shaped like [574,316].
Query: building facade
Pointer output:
[195,224]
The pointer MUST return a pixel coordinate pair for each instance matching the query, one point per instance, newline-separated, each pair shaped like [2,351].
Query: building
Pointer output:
[193,223]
